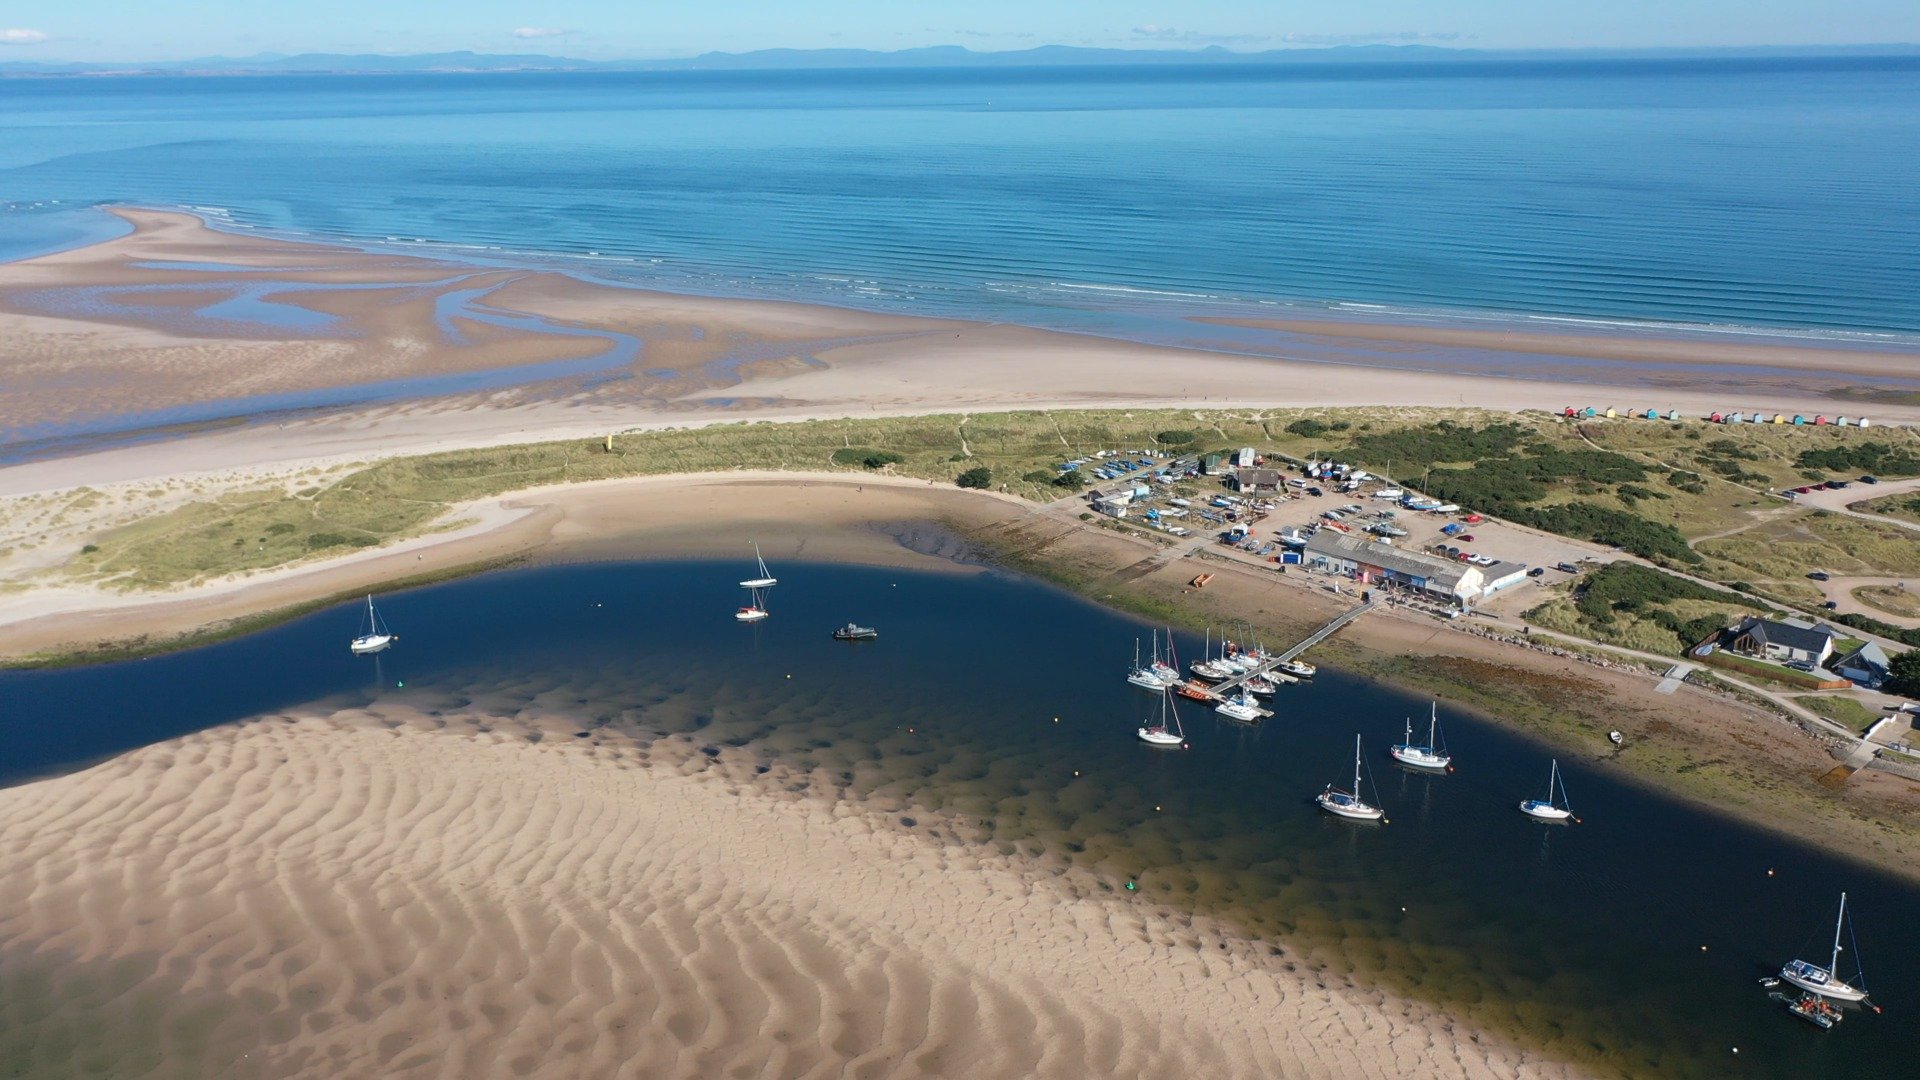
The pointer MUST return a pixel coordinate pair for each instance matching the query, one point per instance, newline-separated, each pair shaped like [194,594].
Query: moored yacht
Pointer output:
[1826,981]
[1430,756]
[1348,804]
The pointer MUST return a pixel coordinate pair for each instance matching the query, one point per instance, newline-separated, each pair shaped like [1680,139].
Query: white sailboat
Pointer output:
[1155,675]
[1168,731]
[1431,756]
[1348,804]
[377,638]
[1550,808]
[756,608]
[1207,667]
[1826,981]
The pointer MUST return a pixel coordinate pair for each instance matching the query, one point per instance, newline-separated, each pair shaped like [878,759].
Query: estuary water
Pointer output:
[1773,195]
[1632,941]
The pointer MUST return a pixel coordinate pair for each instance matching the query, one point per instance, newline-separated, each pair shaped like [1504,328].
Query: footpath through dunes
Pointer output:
[393,891]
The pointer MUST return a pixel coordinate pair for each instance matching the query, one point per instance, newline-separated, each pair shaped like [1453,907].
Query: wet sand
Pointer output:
[394,372]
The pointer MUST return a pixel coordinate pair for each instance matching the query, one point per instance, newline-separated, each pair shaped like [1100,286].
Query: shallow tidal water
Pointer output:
[1585,941]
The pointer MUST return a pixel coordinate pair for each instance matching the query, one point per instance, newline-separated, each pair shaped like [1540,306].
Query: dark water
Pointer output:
[1773,193]
[1586,941]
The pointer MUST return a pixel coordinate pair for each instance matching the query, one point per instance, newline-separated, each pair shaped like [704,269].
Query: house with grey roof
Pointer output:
[1867,666]
[1781,642]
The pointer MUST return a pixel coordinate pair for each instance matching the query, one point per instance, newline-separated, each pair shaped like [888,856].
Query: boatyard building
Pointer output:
[1370,561]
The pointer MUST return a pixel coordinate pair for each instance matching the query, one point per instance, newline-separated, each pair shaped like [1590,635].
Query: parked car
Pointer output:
[1315,492]
[1817,575]
[1839,485]
[1536,571]
[1465,539]
[1869,479]
[1566,568]
[1802,490]
[1831,606]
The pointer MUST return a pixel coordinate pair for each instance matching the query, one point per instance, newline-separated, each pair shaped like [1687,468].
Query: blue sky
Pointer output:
[158,29]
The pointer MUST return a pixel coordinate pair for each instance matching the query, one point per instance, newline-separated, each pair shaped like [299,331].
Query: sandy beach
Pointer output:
[419,887]
[523,355]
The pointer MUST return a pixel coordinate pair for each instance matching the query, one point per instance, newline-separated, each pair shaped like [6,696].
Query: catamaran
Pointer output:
[1826,981]
[377,638]
[1348,804]
[756,608]
[1431,756]
[1550,808]
[1168,731]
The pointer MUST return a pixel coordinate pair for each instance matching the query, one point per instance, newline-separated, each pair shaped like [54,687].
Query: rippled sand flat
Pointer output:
[491,880]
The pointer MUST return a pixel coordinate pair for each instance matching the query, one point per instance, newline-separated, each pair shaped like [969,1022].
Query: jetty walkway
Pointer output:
[1271,665]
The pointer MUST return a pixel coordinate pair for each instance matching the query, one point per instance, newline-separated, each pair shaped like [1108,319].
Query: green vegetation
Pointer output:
[1789,546]
[1763,671]
[1866,457]
[975,478]
[872,459]
[1840,709]
[1906,507]
[1642,608]
[1175,437]
[1310,428]
[1903,674]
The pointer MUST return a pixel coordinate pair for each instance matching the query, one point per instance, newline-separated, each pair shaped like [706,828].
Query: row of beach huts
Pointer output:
[1572,412]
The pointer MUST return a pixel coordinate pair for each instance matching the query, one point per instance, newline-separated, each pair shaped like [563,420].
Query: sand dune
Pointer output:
[418,888]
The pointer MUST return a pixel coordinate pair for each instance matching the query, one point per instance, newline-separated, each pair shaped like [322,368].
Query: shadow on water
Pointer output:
[986,694]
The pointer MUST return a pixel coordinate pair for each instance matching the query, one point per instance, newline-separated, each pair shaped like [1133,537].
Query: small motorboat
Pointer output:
[855,632]
[1240,707]
[750,614]
[1615,737]
[1299,669]
[1769,982]
[1193,691]
[1815,1010]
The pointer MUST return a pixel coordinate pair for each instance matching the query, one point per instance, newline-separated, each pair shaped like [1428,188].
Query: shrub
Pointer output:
[1903,674]
[1037,476]
[1872,457]
[1176,437]
[866,456]
[90,549]
[975,478]
[1072,481]
[1307,428]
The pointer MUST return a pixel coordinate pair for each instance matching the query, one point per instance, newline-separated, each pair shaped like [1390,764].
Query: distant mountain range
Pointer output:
[937,56]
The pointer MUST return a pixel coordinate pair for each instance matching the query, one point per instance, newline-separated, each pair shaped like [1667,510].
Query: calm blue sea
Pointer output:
[1735,193]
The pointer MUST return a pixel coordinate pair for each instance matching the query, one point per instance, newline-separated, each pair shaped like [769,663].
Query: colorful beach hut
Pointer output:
[1610,413]
[1736,418]
[1716,418]
[1820,421]
[1653,414]
[1590,412]
[1779,418]
[1798,420]
[1862,422]
[1571,412]
[1842,421]
[1673,414]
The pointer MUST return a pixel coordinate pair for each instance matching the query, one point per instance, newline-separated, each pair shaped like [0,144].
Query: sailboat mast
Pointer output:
[1356,766]
[1433,726]
[1833,965]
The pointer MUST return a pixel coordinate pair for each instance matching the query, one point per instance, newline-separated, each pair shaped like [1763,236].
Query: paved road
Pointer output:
[1836,501]
[1840,591]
